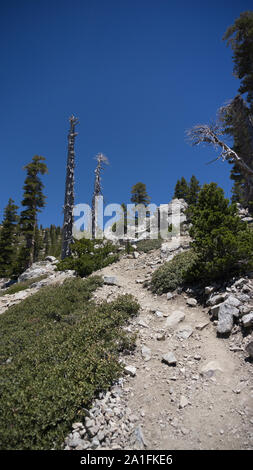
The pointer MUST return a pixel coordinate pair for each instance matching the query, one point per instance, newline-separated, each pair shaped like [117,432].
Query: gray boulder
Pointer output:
[247,320]
[226,315]
[38,269]
[110,280]
[249,349]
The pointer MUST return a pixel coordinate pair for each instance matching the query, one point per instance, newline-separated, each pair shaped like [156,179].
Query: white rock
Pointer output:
[247,320]
[210,368]
[176,317]
[184,331]
[130,370]
[169,359]
[183,402]
[192,302]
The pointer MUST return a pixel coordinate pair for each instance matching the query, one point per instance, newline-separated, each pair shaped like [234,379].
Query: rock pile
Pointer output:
[231,308]
[109,424]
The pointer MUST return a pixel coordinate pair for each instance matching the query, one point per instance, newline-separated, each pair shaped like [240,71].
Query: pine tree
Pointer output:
[33,201]
[194,189]
[240,37]
[38,244]
[46,242]
[8,247]
[222,242]
[140,195]
[181,189]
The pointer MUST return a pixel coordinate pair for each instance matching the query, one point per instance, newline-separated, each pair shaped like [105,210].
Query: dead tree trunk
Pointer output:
[97,188]
[67,236]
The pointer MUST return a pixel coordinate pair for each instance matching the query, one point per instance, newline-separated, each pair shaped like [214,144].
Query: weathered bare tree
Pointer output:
[67,232]
[101,159]
[240,120]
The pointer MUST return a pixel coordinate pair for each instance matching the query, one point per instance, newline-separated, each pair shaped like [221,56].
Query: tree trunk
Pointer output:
[97,189]
[67,231]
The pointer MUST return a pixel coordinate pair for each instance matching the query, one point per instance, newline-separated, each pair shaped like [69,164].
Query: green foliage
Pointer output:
[8,235]
[149,244]
[33,201]
[181,189]
[187,191]
[139,194]
[240,37]
[239,124]
[58,350]
[222,242]
[194,188]
[88,256]
[171,274]
[19,286]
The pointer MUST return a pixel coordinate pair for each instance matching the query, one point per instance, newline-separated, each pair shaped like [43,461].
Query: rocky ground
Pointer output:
[183,388]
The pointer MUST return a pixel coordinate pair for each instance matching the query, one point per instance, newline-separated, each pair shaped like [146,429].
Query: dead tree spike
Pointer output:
[67,232]
[97,188]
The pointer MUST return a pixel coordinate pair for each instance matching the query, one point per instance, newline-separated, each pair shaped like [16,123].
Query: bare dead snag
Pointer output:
[97,188]
[67,232]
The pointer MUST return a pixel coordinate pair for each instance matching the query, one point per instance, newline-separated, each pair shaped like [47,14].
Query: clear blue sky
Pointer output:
[137,73]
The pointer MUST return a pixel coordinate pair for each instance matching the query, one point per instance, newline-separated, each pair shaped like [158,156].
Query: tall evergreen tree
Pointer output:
[222,242]
[33,201]
[181,189]
[194,188]
[238,117]
[240,37]
[139,194]
[38,244]
[8,239]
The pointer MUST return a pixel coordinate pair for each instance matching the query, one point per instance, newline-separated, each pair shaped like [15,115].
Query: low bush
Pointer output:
[171,274]
[58,349]
[19,286]
[89,256]
[149,244]
[222,242]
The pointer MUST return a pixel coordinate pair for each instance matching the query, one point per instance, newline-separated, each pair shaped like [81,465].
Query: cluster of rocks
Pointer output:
[109,424]
[231,307]
[244,214]
[42,268]
[39,268]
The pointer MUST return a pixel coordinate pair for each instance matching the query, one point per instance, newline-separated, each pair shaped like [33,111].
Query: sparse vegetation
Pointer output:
[58,349]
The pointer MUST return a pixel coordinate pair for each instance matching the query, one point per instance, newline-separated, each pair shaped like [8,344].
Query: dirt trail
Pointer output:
[216,412]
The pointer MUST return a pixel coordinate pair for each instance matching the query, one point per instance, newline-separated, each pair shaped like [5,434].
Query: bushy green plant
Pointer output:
[58,350]
[89,256]
[171,274]
[222,242]
[149,244]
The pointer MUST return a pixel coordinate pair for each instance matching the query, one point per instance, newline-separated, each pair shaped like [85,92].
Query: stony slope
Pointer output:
[205,401]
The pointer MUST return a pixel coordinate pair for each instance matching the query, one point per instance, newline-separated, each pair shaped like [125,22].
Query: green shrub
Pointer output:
[19,286]
[171,274]
[149,244]
[222,242]
[58,349]
[89,256]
